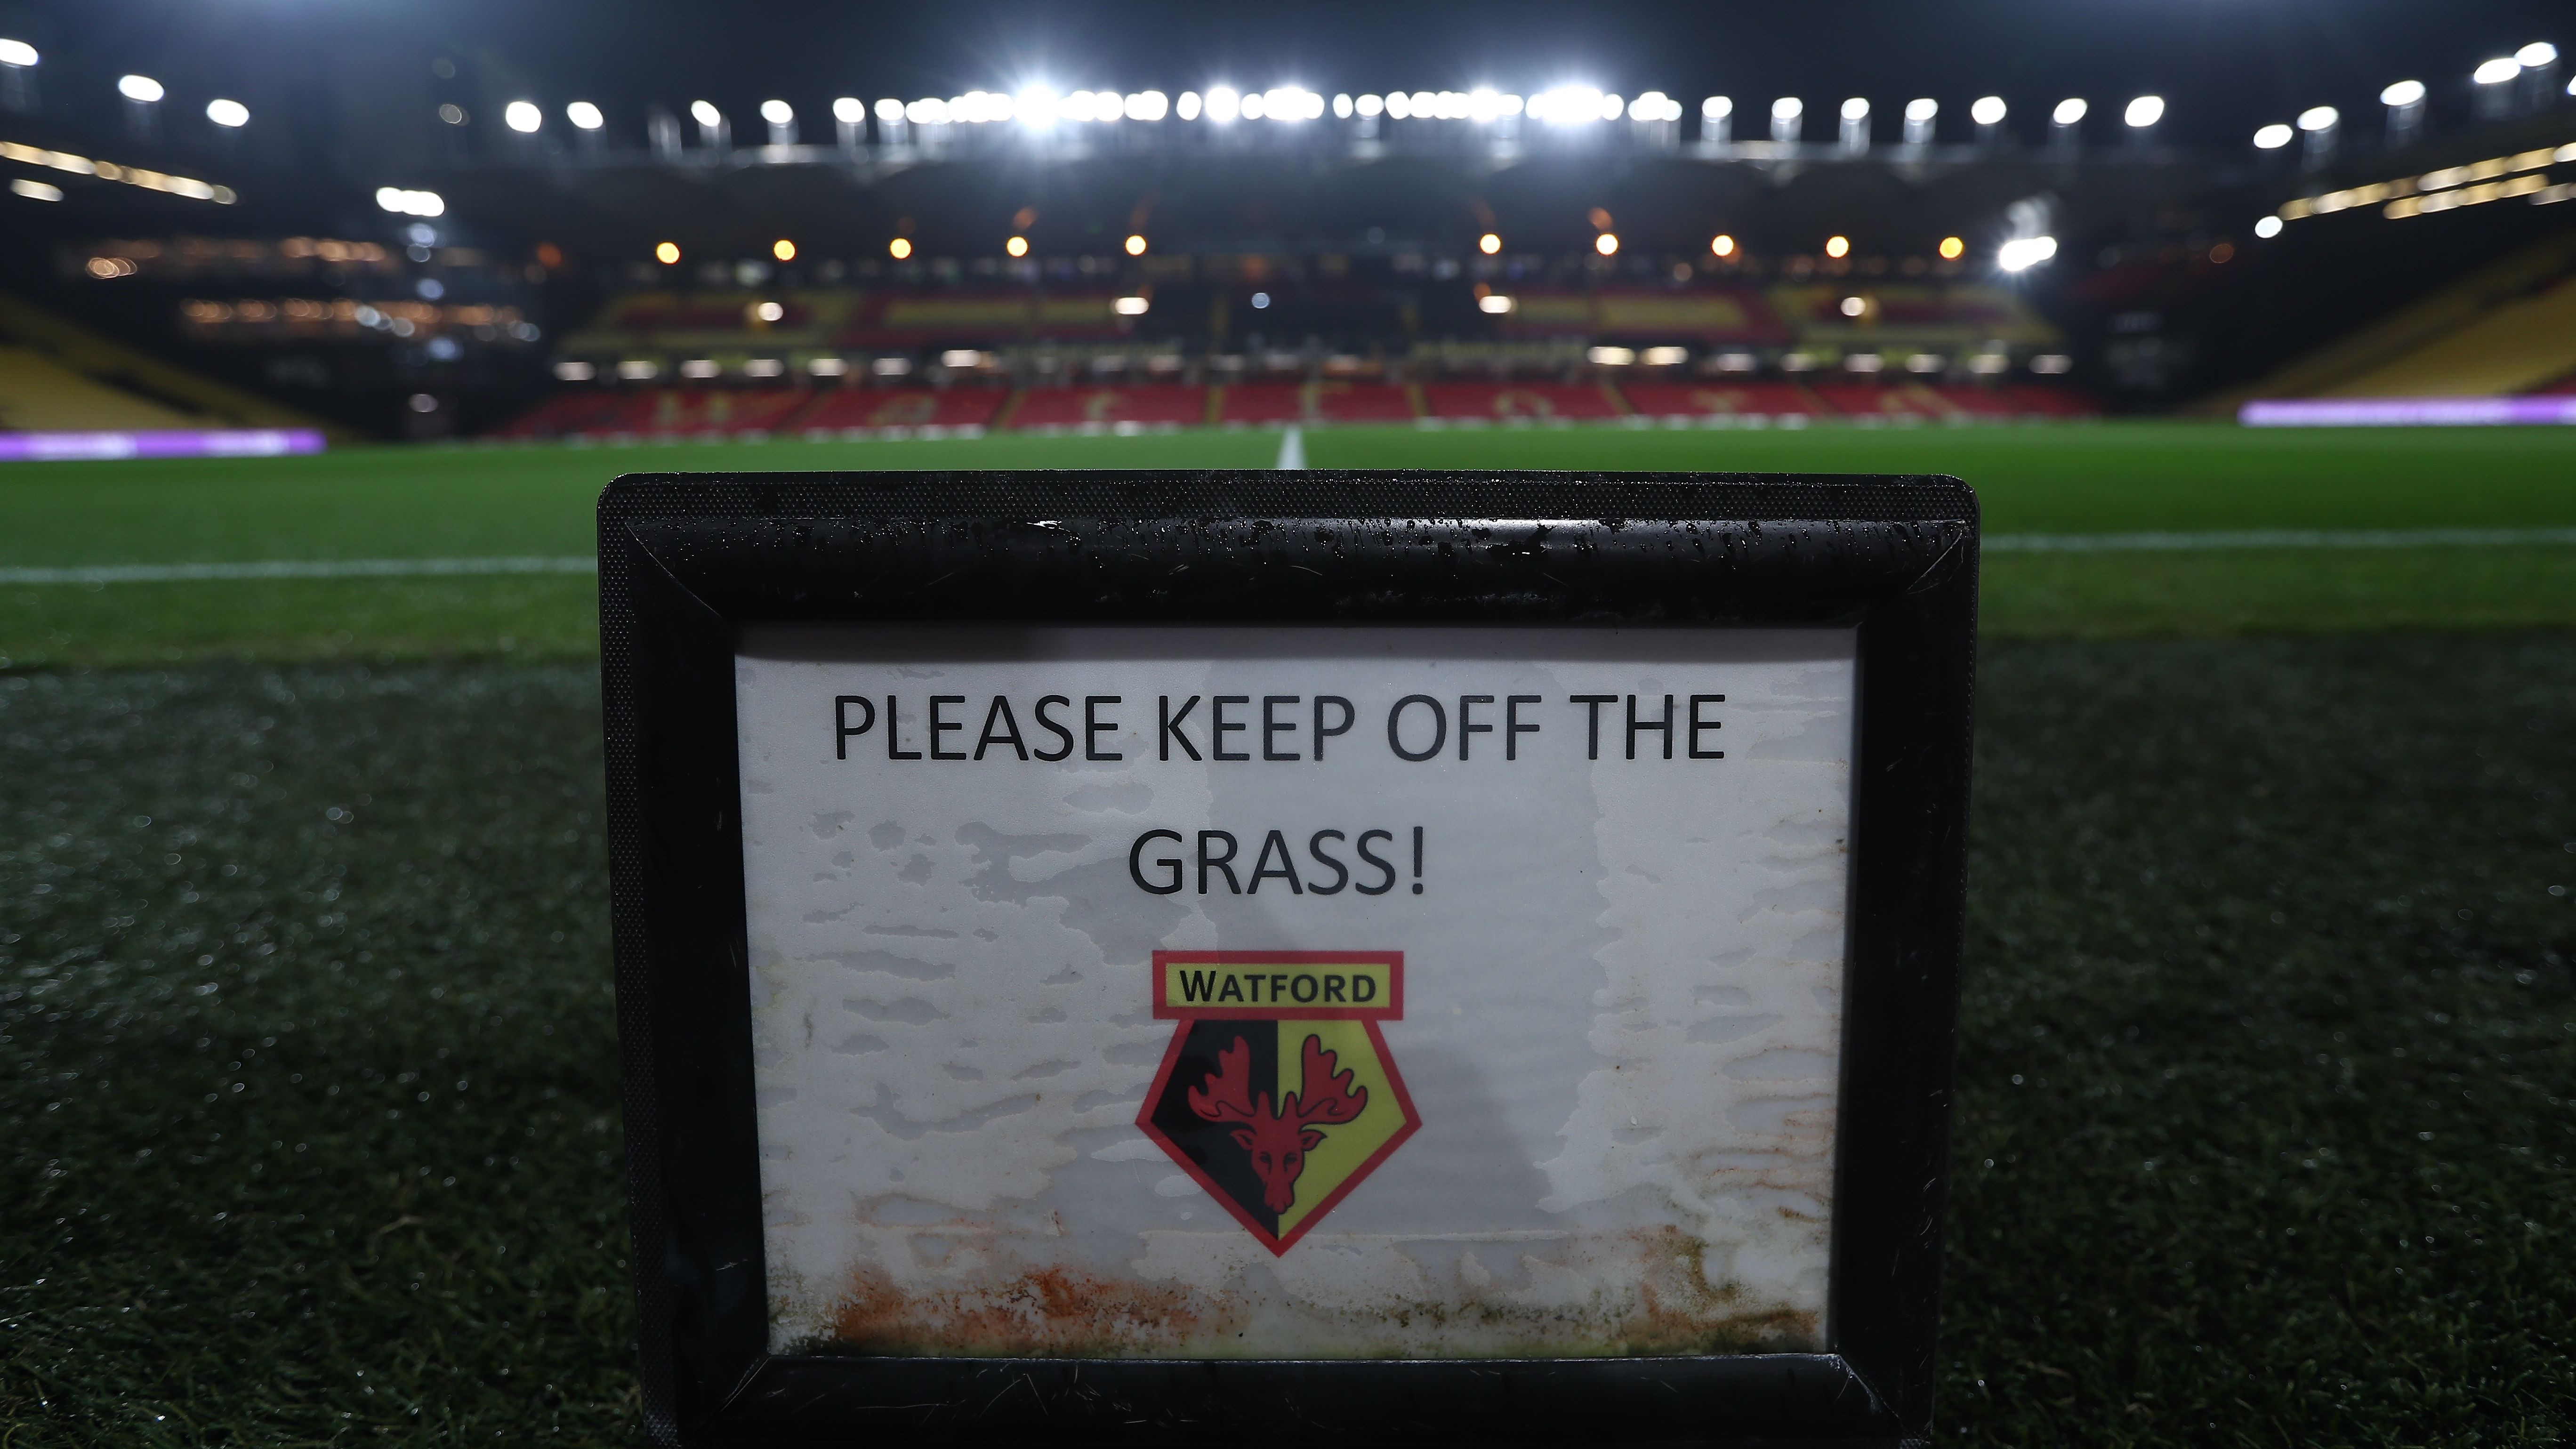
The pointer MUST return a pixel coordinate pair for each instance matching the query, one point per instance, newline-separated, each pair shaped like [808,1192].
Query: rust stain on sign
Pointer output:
[1034,1312]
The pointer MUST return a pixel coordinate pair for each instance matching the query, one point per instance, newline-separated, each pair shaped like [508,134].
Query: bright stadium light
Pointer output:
[1017,246]
[141,88]
[2497,71]
[1342,105]
[2319,118]
[1489,244]
[2023,253]
[889,110]
[523,117]
[2537,55]
[410,203]
[1838,247]
[1788,115]
[1610,108]
[1224,103]
[850,110]
[1037,108]
[2268,227]
[1494,304]
[1856,109]
[705,114]
[1136,245]
[1654,106]
[2143,112]
[584,116]
[899,249]
[785,251]
[1921,114]
[2273,137]
[928,111]
[1717,108]
[1370,105]
[777,113]
[2404,93]
[2069,112]
[1607,244]
[1952,248]
[1987,111]
[17,53]
[1722,245]
[1189,107]
[667,253]
[1148,106]
[227,114]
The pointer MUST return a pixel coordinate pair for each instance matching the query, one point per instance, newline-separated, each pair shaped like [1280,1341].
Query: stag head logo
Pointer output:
[1278,1095]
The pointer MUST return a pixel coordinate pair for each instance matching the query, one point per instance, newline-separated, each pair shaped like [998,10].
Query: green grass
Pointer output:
[2086,478]
[307,1063]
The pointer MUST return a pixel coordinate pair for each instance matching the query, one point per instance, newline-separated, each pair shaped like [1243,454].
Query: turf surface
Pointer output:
[306,1053]
[2088,478]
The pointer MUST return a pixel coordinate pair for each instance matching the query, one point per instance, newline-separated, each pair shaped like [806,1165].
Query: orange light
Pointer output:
[667,253]
[1724,245]
[1838,246]
[783,249]
[1607,244]
[1017,246]
[1952,248]
[1489,244]
[899,249]
[1136,246]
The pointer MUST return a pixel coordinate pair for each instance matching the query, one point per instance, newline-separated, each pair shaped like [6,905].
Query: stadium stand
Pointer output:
[1519,401]
[1319,403]
[62,377]
[1110,409]
[664,412]
[1255,403]
[1715,399]
[1729,315]
[958,409]
[2515,346]
[40,395]
[1870,315]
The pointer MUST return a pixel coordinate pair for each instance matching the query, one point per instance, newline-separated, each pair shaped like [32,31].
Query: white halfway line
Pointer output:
[402,568]
[1292,451]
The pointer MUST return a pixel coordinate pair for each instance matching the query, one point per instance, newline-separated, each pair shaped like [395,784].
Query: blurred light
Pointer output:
[1369,106]
[763,367]
[1223,104]
[1864,362]
[1838,246]
[2268,228]
[410,203]
[17,52]
[2145,111]
[1953,248]
[2273,137]
[1723,245]
[1654,106]
[584,116]
[1017,246]
[1342,106]
[777,113]
[700,367]
[851,111]
[2023,253]
[2535,55]
[1494,304]
[1291,104]
[35,190]
[827,367]
[1922,108]
[2052,362]
[1130,306]
[1664,356]
[2404,93]
[522,116]
[705,114]
[928,111]
[667,253]
[1856,109]
[1925,362]
[2318,118]
[1854,306]
[1566,106]
[227,113]
[1987,111]
[890,110]
[899,249]
[1037,107]
[1610,356]
[1489,244]
[575,372]
[1717,108]
[1136,245]
[768,311]
[1610,108]
[2497,71]
[138,88]
[1148,106]
[1607,244]
[2070,111]
[784,250]
[961,357]
[107,268]
[1788,108]
[1260,301]
[1189,107]
[1737,362]
[452,113]
[638,369]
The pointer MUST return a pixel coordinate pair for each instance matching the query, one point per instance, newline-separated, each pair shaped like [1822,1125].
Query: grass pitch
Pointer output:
[2267,1083]
[2076,479]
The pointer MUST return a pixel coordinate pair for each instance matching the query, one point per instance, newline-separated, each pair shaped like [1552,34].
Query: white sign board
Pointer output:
[1296,992]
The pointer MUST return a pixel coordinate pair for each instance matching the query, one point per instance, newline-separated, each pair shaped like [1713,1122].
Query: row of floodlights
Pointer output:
[141,89]
[2408,95]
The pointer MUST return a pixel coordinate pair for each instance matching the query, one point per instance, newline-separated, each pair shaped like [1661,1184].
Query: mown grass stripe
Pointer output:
[352,568]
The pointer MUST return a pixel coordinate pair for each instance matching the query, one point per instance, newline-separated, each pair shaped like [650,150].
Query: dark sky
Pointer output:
[2225,64]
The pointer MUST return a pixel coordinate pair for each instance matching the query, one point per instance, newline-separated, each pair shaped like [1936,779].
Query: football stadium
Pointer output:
[322,333]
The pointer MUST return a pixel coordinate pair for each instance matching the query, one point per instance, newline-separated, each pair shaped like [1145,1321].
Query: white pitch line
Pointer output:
[1291,455]
[1292,451]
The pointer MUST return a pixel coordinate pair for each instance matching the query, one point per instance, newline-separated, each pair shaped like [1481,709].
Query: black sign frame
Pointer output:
[686,559]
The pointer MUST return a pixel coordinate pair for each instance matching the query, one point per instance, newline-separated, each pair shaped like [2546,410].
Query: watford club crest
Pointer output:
[1278,1095]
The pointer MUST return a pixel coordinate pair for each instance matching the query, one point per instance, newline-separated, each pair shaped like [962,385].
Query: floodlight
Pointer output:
[2145,111]
[138,88]
[1017,246]
[523,117]
[785,251]
[2070,111]
[35,190]
[1188,109]
[1952,248]
[1260,301]
[1838,246]
[1611,107]
[2319,118]
[1610,356]
[1037,107]
[584,116]
[705,114]
[1654,106]
[1255,106]
[1922,109]
[768,311]
[1130,306]
[1369,106]
[2497,71]
[17,52]
[777,113]
[2268,227]
[410,203]
[2273,137]
[889,110]
[1856,109]
[1342,105]
[928,111]
[2404,93]
[667,253]
[1399,106]
[1494,305]
[1136,245]
[2537,54]
[227,114]
[899,249]
[1987,111]
[1489,244]
[1788,108]
[1607,244]
[1717,108]
[1853,306]
[1722,244]
[1223,105]
[2023,253]
[1148,106]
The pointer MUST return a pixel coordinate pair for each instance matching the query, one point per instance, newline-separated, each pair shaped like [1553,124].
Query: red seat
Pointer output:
[1503,401]
[1715,398]
[1153,404]
[904,407]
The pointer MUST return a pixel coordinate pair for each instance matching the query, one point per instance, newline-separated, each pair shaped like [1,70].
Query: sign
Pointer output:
[1433,948]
